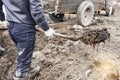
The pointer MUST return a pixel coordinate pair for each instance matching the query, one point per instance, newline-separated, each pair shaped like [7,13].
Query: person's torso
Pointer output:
[18,11]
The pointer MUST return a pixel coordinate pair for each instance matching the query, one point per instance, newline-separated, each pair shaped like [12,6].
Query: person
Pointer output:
[22,16]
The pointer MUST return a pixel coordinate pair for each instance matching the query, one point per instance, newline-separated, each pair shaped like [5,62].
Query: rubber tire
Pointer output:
[108,11]
[56,17]
[85,13]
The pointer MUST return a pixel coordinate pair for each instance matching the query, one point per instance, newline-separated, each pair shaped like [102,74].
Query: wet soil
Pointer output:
[63,59]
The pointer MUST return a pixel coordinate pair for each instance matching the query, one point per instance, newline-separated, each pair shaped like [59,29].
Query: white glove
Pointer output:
[1,48]
[50,32]
[4,23]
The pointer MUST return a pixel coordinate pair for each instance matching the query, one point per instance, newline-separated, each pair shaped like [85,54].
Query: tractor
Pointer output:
[85,9]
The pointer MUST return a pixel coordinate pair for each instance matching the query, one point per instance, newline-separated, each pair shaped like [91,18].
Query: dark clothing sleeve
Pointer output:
[2,15]
[38,14]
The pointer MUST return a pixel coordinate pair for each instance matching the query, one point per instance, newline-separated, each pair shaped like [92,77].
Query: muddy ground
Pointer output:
[62,59]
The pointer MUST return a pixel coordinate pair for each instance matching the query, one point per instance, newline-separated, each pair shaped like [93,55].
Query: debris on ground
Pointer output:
[105,67]
[93,37]
[64,59]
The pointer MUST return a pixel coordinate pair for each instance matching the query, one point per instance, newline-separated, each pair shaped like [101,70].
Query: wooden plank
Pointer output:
[71,1]
[68,6]
[48,5]
[71,6]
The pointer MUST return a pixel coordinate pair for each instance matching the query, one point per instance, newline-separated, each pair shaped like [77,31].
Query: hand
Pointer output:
[4,23]
[50,32]
[1,48]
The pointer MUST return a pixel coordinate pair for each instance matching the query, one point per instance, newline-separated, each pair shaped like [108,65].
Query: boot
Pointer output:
[16,78]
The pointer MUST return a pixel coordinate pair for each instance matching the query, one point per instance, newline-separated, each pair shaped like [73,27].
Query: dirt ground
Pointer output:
[69,60]
[62,59]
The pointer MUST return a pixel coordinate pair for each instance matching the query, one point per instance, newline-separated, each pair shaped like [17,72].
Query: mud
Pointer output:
[93,37]
[70,60]
[63,59]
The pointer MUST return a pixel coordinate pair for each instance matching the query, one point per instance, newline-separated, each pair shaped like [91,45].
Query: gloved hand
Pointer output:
[1,48]
[50,32]
[4,23]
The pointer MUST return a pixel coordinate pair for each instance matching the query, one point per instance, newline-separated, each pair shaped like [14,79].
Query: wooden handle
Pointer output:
[60,35]
[39,29]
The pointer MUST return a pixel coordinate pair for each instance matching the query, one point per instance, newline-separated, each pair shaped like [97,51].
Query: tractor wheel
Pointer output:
[109,7]
[56,17]
[108,13]
[85,13]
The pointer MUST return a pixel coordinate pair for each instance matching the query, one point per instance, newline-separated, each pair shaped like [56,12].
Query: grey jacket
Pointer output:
[28,12]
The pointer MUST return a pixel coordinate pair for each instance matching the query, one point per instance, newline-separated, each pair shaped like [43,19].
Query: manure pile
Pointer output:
[96,36]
